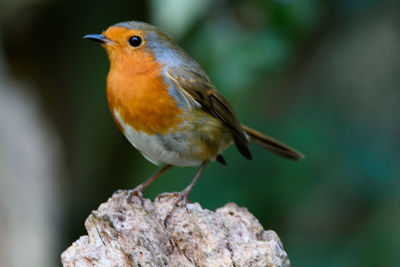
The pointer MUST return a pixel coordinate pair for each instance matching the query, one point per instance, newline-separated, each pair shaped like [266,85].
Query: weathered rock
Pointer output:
[121,233]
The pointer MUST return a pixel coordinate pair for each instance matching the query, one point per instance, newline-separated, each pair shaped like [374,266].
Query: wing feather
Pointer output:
[198,86]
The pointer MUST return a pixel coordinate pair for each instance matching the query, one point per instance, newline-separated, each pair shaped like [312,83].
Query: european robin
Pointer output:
[167,107]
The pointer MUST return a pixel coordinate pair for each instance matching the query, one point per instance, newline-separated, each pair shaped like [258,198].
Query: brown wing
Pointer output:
[200,88]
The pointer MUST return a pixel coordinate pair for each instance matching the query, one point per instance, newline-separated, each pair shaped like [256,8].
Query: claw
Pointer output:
[167,194]
[139,189]
[136,192]
[182,197]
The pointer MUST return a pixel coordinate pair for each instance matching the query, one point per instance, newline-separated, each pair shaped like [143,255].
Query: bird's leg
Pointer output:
[137,191]
[184,195]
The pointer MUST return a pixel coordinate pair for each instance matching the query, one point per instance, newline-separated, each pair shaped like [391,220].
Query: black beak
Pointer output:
[97,38]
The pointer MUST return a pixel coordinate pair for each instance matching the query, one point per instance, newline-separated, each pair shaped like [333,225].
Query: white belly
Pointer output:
[166,149]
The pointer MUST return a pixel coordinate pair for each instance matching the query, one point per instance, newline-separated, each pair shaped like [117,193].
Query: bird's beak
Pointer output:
[97,38]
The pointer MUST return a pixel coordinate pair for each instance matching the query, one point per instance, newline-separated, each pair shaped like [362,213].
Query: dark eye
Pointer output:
[135,41]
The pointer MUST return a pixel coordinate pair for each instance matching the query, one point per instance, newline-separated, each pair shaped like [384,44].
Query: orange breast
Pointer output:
[136,90]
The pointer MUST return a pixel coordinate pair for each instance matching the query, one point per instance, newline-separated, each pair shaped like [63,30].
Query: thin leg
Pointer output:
[137,191]
[184,195]
[188,189]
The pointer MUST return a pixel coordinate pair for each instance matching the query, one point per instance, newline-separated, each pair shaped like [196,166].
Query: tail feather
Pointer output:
[271,144]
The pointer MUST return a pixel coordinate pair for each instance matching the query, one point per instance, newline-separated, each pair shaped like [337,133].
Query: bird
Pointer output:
[167,107]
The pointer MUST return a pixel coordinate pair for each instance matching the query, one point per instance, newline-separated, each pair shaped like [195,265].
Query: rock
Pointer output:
[123,233]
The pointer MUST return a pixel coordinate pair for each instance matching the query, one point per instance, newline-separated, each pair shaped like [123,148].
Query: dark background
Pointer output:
[322,76]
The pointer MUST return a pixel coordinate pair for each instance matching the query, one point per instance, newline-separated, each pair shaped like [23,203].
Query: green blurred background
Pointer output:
[322,76]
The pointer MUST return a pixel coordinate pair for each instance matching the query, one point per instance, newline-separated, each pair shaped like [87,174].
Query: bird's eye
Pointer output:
[135,41]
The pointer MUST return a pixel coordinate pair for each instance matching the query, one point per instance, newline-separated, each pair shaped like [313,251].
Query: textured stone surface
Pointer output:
[133,234]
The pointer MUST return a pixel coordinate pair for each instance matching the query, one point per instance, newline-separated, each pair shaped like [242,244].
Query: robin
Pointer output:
[167,107]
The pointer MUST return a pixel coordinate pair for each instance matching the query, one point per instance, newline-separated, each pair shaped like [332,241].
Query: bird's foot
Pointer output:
[136,192]
[181,198]
[169,195]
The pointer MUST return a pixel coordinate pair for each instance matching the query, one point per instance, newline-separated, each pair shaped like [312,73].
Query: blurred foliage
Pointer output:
[321,76]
